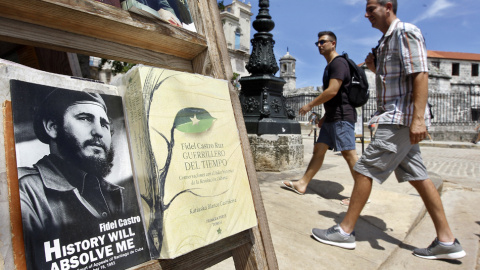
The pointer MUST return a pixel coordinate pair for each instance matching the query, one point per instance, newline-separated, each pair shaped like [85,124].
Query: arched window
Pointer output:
[237,38]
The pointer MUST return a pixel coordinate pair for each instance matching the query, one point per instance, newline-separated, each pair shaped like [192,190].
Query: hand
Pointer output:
[320,123]
[305,109]
[169,17]
[418,131]
[370,62]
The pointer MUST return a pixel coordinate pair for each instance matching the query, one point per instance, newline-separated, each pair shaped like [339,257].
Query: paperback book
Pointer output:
[77,192]
[175,12]
[188,160]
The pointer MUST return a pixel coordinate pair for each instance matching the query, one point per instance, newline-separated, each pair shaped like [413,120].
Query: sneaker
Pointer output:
[438,251]
[333,237]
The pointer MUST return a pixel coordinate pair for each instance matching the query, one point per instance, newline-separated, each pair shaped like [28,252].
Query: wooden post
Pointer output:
[93,28]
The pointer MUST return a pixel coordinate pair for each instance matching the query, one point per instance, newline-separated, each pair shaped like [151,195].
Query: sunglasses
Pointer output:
[321,42]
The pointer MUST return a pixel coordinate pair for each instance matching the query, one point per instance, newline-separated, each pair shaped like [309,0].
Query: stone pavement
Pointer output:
[390,227]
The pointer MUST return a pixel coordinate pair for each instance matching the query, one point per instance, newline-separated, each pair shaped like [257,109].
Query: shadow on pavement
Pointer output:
[370,229]
[478,222]
[326,189]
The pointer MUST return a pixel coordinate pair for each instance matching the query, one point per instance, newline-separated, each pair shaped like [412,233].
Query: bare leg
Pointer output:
[361,192]
[314,166]
[434,206]
[430,137]
[351,158]
[478,138]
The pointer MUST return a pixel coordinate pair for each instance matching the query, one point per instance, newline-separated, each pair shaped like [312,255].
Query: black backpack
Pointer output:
[358,93]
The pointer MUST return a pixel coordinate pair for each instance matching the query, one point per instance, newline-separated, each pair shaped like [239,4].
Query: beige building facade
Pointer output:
[453,72]
[236,19]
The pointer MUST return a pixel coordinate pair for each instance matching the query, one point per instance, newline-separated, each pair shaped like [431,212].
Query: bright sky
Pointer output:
[447,25]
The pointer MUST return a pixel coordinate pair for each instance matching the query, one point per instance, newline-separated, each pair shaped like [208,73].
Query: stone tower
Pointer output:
[287,72]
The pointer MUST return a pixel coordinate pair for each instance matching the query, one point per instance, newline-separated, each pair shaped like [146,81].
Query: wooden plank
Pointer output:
[208,262]
[244,258]
[201,63]
[214,34]
[88,27]
[203,257]
[74,64]
[263,249]
[262,253]
[40,36]
[13,194]
[199,258]
[97,20]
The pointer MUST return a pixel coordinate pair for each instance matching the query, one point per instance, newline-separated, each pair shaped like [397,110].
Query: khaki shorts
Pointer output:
[391,151]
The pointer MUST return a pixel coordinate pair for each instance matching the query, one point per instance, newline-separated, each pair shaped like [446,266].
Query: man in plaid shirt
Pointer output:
[400,65]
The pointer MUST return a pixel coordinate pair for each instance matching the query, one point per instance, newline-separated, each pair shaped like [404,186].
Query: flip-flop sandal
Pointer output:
[292,187]
[346,201]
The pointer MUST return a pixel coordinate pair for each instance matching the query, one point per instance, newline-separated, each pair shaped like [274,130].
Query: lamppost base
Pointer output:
[264,106]
[277,152]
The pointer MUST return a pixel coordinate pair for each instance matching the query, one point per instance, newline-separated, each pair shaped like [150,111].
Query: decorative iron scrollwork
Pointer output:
[290,111]
[250,105]
[276,105]
[265,111]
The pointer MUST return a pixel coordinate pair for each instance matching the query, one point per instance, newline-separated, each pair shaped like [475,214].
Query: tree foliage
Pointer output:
[221,5]
[117,66]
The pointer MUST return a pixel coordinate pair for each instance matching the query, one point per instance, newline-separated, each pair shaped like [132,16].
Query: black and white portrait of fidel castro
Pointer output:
[64,194]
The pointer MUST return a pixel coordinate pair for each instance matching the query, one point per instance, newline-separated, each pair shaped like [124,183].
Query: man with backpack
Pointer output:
[337,127]
[400,64]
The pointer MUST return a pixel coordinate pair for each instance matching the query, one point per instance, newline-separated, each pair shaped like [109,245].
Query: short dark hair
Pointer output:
[330,34]
[384,2]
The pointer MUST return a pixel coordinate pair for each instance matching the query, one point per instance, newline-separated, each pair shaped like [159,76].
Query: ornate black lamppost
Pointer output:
[264,106]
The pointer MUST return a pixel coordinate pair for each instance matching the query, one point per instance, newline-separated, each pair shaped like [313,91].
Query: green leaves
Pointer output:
[193,120]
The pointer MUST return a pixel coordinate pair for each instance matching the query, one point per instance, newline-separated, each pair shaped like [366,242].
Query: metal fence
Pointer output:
[297,102]
[447,108]
[458,108]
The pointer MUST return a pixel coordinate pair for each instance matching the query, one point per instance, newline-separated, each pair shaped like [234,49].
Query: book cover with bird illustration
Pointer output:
[188,159]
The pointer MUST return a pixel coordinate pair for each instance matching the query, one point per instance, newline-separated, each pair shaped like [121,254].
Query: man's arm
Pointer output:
[329,93]
[418,130]
[370,62]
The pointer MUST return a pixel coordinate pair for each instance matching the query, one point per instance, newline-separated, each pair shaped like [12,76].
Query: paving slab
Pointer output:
[383,225]
[460,172]
[461,206]
[391,225]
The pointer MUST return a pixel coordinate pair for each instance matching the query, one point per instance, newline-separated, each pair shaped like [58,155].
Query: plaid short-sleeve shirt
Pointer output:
[400,53]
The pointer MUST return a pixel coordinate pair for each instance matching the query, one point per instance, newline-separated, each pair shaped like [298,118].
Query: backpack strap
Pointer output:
[341,104]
